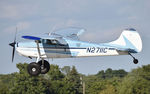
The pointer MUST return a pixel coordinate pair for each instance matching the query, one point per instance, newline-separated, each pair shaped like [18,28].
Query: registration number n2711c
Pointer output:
[96,50]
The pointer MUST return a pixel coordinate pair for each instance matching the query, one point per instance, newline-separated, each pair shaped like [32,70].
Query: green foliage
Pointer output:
[3,88]
[136,82]
[109,73]
[5,81]
[96,87]
[110,89]
[55,73]
[73,79]
[66,70]
[67,80]
[26,84]
[63,84]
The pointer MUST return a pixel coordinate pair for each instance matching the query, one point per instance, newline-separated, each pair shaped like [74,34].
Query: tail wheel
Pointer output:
[34,69]
[135,61]
[44,67]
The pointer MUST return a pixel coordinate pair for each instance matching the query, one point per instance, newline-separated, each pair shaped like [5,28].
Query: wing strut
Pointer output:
[39,53]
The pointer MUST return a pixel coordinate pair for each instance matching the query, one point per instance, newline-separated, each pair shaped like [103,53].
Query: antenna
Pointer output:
[52,30]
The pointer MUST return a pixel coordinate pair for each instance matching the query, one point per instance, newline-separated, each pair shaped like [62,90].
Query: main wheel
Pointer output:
[135,61]
[44,67]
[34,69]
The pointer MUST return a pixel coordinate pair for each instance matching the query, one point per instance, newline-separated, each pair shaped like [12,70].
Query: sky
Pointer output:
[104,20]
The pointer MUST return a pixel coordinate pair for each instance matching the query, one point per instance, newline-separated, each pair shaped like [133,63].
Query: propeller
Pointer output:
[13,45]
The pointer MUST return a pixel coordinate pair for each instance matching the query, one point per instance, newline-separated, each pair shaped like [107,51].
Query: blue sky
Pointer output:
[103,20]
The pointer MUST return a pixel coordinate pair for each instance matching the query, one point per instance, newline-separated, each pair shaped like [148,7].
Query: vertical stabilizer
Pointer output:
[129,39]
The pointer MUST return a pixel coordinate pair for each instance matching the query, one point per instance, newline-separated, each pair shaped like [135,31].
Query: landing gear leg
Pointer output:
[45,66]
[42,66]
[135,61]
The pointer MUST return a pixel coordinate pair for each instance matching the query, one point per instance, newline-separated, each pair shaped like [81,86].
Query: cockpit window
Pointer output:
[50,42]
[54,42]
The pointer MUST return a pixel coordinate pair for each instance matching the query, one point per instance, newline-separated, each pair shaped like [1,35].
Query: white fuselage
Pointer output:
[73,49]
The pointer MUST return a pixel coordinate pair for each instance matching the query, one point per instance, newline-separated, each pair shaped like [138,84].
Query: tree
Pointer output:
[110,89]
[67,81]
[95,87]
[5,81]
[109,73]
[101,74]
[73,79]
[136,82]
[119,73]
[55,73]
[55,78]
[26,84]
[3,88]
[66,70]
[61,84]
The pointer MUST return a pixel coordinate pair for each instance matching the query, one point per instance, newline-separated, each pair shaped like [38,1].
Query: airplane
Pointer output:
[65,43]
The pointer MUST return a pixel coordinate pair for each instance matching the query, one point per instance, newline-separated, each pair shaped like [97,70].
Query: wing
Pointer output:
[38,37]
[31,37]
[48,40]
[71,33]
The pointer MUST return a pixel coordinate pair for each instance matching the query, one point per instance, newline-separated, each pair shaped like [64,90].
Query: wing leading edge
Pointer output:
[31,37]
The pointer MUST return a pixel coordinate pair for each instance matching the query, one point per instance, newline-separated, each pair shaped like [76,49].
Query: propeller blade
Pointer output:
[13,53]
[13,45]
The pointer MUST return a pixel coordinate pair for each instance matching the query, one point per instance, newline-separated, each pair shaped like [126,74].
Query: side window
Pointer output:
[50,42]
[53,42]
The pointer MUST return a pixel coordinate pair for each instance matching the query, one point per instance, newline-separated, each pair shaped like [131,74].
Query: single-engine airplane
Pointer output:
[66,44]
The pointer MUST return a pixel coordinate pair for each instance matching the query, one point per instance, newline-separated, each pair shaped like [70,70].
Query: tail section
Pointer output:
[129,39]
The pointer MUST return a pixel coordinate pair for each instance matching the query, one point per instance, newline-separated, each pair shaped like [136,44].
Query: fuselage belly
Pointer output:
[65,52]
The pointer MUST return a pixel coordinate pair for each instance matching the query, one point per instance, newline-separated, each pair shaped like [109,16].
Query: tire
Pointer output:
[45,68]
[34,69]
[135,61]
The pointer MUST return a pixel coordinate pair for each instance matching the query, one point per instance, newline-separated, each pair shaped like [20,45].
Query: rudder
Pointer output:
[129,39]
